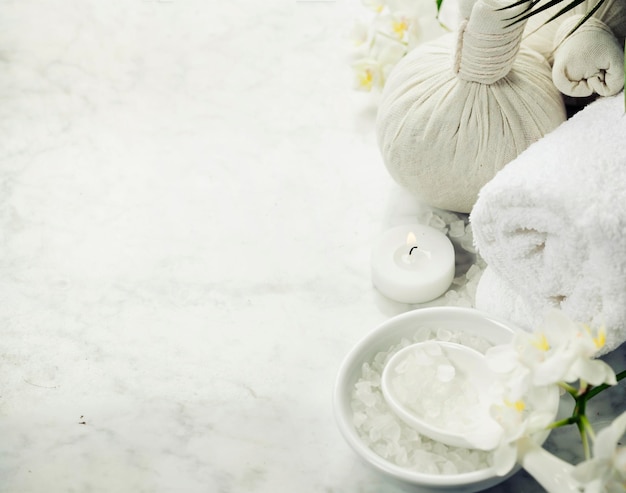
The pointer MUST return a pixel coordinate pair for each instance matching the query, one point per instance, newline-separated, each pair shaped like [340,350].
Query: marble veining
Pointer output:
[189,194]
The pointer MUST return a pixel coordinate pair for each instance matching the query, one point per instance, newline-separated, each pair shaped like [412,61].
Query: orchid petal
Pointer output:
[607,439]
[504,458]
[595,372]
[502,358]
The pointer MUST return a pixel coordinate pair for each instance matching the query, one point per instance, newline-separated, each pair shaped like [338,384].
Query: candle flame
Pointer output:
[411,239]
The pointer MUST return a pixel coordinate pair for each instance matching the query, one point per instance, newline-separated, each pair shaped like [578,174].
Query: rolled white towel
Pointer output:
[496,296]
[552,223]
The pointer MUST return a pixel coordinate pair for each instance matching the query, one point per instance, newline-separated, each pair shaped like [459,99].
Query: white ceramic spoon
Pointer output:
[443,367]
[482,432]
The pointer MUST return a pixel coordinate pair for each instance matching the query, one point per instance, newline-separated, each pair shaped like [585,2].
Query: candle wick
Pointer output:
[411,250]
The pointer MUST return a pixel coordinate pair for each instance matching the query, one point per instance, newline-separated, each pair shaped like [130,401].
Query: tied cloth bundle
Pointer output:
[456,110]
[590,60]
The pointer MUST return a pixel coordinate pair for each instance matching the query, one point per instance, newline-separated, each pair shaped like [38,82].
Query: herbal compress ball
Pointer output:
[456,110]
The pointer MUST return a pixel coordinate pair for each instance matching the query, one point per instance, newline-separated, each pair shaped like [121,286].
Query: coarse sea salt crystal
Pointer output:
[445,373]
[467,240]
[437,223]
[472,272]
[358,418]
[457,229]
[426,382]
[452,298]
[424,216]
[445,335]
[471,288]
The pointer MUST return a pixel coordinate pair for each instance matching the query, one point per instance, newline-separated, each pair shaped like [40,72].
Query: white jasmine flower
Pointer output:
[372,70]
[405,27]
[606,471]
[376,5]
[400,24]
[388,53]
[360,33]
[515,377]
[393,30]
[563,351]
[411,7]
[368,74]
[520,418]
[414,34]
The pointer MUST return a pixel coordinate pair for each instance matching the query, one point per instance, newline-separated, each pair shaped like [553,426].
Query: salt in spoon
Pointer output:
[481,431]
[420,380]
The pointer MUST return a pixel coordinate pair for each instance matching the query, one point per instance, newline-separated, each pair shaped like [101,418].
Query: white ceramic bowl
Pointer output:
[381,339]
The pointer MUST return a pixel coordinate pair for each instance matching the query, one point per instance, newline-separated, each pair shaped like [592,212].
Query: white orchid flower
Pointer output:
[360,33]
[503,360]
[411,7]
[388,53]
[606,471]
[520,417]
[568,352]
[368,74]
[372,70]
[392,31]
[379,6]
[400,24]
[563,351]
[376,5]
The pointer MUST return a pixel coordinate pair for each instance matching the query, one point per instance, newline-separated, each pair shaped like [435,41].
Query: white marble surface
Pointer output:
[189,193]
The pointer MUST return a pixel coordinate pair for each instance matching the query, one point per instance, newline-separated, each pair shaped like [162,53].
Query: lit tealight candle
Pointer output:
[413,263]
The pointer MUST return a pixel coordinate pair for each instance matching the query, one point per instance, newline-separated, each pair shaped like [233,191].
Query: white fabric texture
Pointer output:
[496,296]
[590,60]
[552,223]
[456,110]
[486,48]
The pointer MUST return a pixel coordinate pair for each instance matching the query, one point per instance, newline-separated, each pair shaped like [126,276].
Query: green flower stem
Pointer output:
[578,417]
[586,432]
[569,389]
[563,422]
[584,439]
[587,426]
[581,422]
